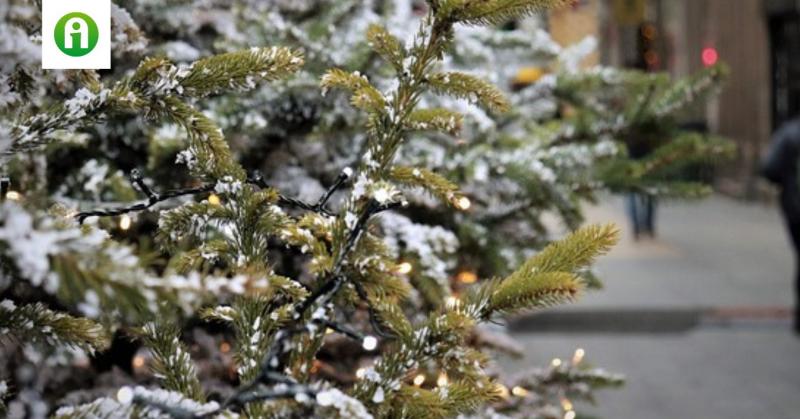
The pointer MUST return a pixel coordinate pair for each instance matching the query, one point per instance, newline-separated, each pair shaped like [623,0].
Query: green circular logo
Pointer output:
[76,34]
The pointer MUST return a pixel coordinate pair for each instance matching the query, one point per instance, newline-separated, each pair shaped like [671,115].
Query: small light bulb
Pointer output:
[328,331]
[578,357]
[404,268]
[138,362]
[125,222]
[224,347]
[125,395]
[214,199]
[503,391]
[463,203]
[570,415]
[556,362]
[519,391]
[369,343]
[442,380]
[360,372]
[13,196]
[419,379]
[467,277]
[566,404]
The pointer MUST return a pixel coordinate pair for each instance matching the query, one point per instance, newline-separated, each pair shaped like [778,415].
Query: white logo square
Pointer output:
[76,34]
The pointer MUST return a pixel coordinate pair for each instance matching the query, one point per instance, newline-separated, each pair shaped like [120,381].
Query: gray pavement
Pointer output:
[698,320]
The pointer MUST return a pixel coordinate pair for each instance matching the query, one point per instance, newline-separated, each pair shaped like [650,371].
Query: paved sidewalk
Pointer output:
[697,319]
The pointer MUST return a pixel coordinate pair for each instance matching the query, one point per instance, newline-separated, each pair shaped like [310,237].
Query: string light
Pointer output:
[442,380]
[519,391]
[570,415]
[467,277]
[419,379]
[360,372]
[214,199]
[125,222]
[503,391]
[578,357]
[13,196]
[224,347]
[369,343]
[404,268]
[138,362]
[328,331]
[125,395]
[463,203]
[556,362]
[566,404]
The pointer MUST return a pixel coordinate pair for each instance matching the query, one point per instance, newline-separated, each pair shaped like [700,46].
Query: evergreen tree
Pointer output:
[177,203]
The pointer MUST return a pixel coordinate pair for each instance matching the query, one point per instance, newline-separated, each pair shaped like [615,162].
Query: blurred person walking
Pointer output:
[781,168]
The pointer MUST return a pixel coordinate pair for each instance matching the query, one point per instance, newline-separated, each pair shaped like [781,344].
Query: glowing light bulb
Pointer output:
[138,362]
[328,331]
[556,362]
[369,343]
[570,415]
[125,222]
[442,380]
[360,372]
[463,203]
[13,196]
[578,357]
[214,199]
[125,395]
[467,277]
[405,268]
[566,404]
[419,380]
[224,347]
[519,391]
[503,391]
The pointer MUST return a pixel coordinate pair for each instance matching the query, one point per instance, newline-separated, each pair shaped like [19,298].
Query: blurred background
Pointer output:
[700,317]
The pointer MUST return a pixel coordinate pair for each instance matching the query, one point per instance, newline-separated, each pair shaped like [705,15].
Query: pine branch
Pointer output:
[172,361]
[35,322]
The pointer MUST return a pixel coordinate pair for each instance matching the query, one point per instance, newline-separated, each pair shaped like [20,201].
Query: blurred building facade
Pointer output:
[758,39]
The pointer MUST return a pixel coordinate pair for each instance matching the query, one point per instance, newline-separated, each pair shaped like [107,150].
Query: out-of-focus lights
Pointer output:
[566,404]
[710,56]
[555,362]
[578,357]
[442,380]
[360,372]
[519,391]
[405,268]
[13,196]
[224,347]
[463,203]
[138,361]
[419,380]
[125,222]
[369,343]
[570,415]
[214,199]
[467,277]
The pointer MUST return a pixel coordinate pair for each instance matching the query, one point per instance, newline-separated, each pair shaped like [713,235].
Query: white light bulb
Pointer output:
[125,395]
[419,379]
[370,343]
[125,222]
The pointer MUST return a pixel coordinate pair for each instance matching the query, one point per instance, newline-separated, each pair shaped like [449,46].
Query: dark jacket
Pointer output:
[780,167]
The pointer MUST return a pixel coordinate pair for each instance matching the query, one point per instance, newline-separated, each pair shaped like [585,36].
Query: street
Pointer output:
[698,319]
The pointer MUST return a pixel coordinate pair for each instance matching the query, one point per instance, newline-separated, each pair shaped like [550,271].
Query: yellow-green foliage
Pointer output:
[37,323]
[434,183]
[469,87]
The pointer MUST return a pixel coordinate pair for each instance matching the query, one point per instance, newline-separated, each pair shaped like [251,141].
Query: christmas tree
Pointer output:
[323,228]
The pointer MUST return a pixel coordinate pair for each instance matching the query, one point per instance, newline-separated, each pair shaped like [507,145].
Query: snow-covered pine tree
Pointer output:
[249,237]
